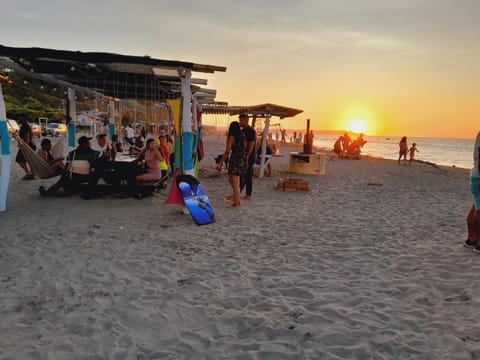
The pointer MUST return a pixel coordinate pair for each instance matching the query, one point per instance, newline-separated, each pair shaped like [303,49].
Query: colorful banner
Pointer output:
[175,106]
[5,143]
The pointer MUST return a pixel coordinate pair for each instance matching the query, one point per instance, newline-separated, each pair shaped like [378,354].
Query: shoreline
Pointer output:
[367,264]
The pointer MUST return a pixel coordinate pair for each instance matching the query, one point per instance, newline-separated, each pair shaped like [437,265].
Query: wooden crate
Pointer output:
[292,184]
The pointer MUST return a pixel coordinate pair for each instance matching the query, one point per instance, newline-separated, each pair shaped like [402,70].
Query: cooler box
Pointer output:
[313,164]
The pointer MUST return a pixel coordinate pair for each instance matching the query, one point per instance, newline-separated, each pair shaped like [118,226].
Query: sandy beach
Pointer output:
[368,264]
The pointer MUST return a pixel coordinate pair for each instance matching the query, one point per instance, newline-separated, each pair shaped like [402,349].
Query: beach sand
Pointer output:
[368,264]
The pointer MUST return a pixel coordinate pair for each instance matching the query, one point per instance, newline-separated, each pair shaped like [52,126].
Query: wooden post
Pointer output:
[5,142]
[307,141]
[71,117]
[264,147]
[187,136]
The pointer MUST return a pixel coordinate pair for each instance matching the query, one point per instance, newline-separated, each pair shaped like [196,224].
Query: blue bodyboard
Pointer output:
[195,199]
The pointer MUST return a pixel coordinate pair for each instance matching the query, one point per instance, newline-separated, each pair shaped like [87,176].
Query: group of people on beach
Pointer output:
[94,159]
[346,148]
[151,165]
[404,149]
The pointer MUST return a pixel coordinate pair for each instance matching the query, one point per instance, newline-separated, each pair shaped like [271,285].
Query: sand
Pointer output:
[368,264]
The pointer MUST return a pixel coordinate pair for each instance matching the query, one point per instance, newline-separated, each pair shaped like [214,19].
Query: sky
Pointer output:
[387,67]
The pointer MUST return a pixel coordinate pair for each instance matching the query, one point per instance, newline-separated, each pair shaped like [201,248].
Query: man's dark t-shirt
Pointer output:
[250,135]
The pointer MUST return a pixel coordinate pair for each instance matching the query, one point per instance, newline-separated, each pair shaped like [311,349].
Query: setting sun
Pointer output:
[357,125]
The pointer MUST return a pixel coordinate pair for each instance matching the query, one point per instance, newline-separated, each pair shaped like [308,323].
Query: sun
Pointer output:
[357,125]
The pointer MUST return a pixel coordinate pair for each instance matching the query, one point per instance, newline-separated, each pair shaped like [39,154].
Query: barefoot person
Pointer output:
[237,164]
[412,151]
[45,153]
[246,179]
[403,149]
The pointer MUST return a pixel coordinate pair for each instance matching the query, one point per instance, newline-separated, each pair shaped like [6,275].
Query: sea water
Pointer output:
[440,151]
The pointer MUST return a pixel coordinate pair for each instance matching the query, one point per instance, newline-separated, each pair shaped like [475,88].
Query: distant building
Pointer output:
[89,118]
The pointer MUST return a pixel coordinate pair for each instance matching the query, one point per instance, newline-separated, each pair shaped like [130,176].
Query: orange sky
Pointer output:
[404,67]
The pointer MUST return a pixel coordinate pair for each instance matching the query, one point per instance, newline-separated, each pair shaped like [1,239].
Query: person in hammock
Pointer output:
[77,170]
[26,135]
[45,152]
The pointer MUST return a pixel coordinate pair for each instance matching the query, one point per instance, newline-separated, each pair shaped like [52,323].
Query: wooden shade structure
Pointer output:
[113,75]
[265,111]
[110,75]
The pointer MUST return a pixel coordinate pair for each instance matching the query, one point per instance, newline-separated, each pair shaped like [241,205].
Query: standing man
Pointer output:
[26,135]
[246,180]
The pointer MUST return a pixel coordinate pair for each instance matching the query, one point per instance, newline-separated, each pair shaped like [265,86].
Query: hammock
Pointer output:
[40,167]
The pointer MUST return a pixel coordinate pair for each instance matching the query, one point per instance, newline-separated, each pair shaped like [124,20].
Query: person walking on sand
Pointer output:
[473,217]
[403,150]
[246,179]
[411,151]
[236,151]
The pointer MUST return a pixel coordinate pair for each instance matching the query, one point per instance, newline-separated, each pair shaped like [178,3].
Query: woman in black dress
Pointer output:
[236,152]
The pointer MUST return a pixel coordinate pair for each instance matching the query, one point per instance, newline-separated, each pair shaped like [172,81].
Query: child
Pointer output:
[412,152]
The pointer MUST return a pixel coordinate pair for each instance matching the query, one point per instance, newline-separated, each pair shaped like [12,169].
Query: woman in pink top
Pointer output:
[152,159]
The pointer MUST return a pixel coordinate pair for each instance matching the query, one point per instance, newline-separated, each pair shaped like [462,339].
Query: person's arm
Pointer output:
[158,155]
[251,146]
[228,148]
[42,154]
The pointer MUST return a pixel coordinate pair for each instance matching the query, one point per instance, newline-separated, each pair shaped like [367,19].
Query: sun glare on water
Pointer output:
[357,125]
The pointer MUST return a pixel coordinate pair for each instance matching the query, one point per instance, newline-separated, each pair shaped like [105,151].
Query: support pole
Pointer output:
[187,136]
[5,143]
[71,117]
[264,147]
[111,119]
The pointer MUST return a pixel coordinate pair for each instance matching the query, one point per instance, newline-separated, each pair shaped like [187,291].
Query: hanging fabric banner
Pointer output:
[175,106]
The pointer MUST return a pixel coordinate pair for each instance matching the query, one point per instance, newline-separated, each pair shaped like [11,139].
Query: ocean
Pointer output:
[448,152]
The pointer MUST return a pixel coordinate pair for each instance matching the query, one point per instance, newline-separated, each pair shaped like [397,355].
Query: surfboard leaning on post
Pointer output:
[195,199]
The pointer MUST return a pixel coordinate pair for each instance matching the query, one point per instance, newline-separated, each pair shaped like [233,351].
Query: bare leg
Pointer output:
[25,168]
[235,184]
[471,229]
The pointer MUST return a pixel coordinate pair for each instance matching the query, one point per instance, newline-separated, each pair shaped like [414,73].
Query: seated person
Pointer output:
[137,148]
[268,152]
[338,147]
[116,146]
[77,169]
[152,160]
[45,153]
[353,150]
[102,145]
[360,140]
[165,151]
